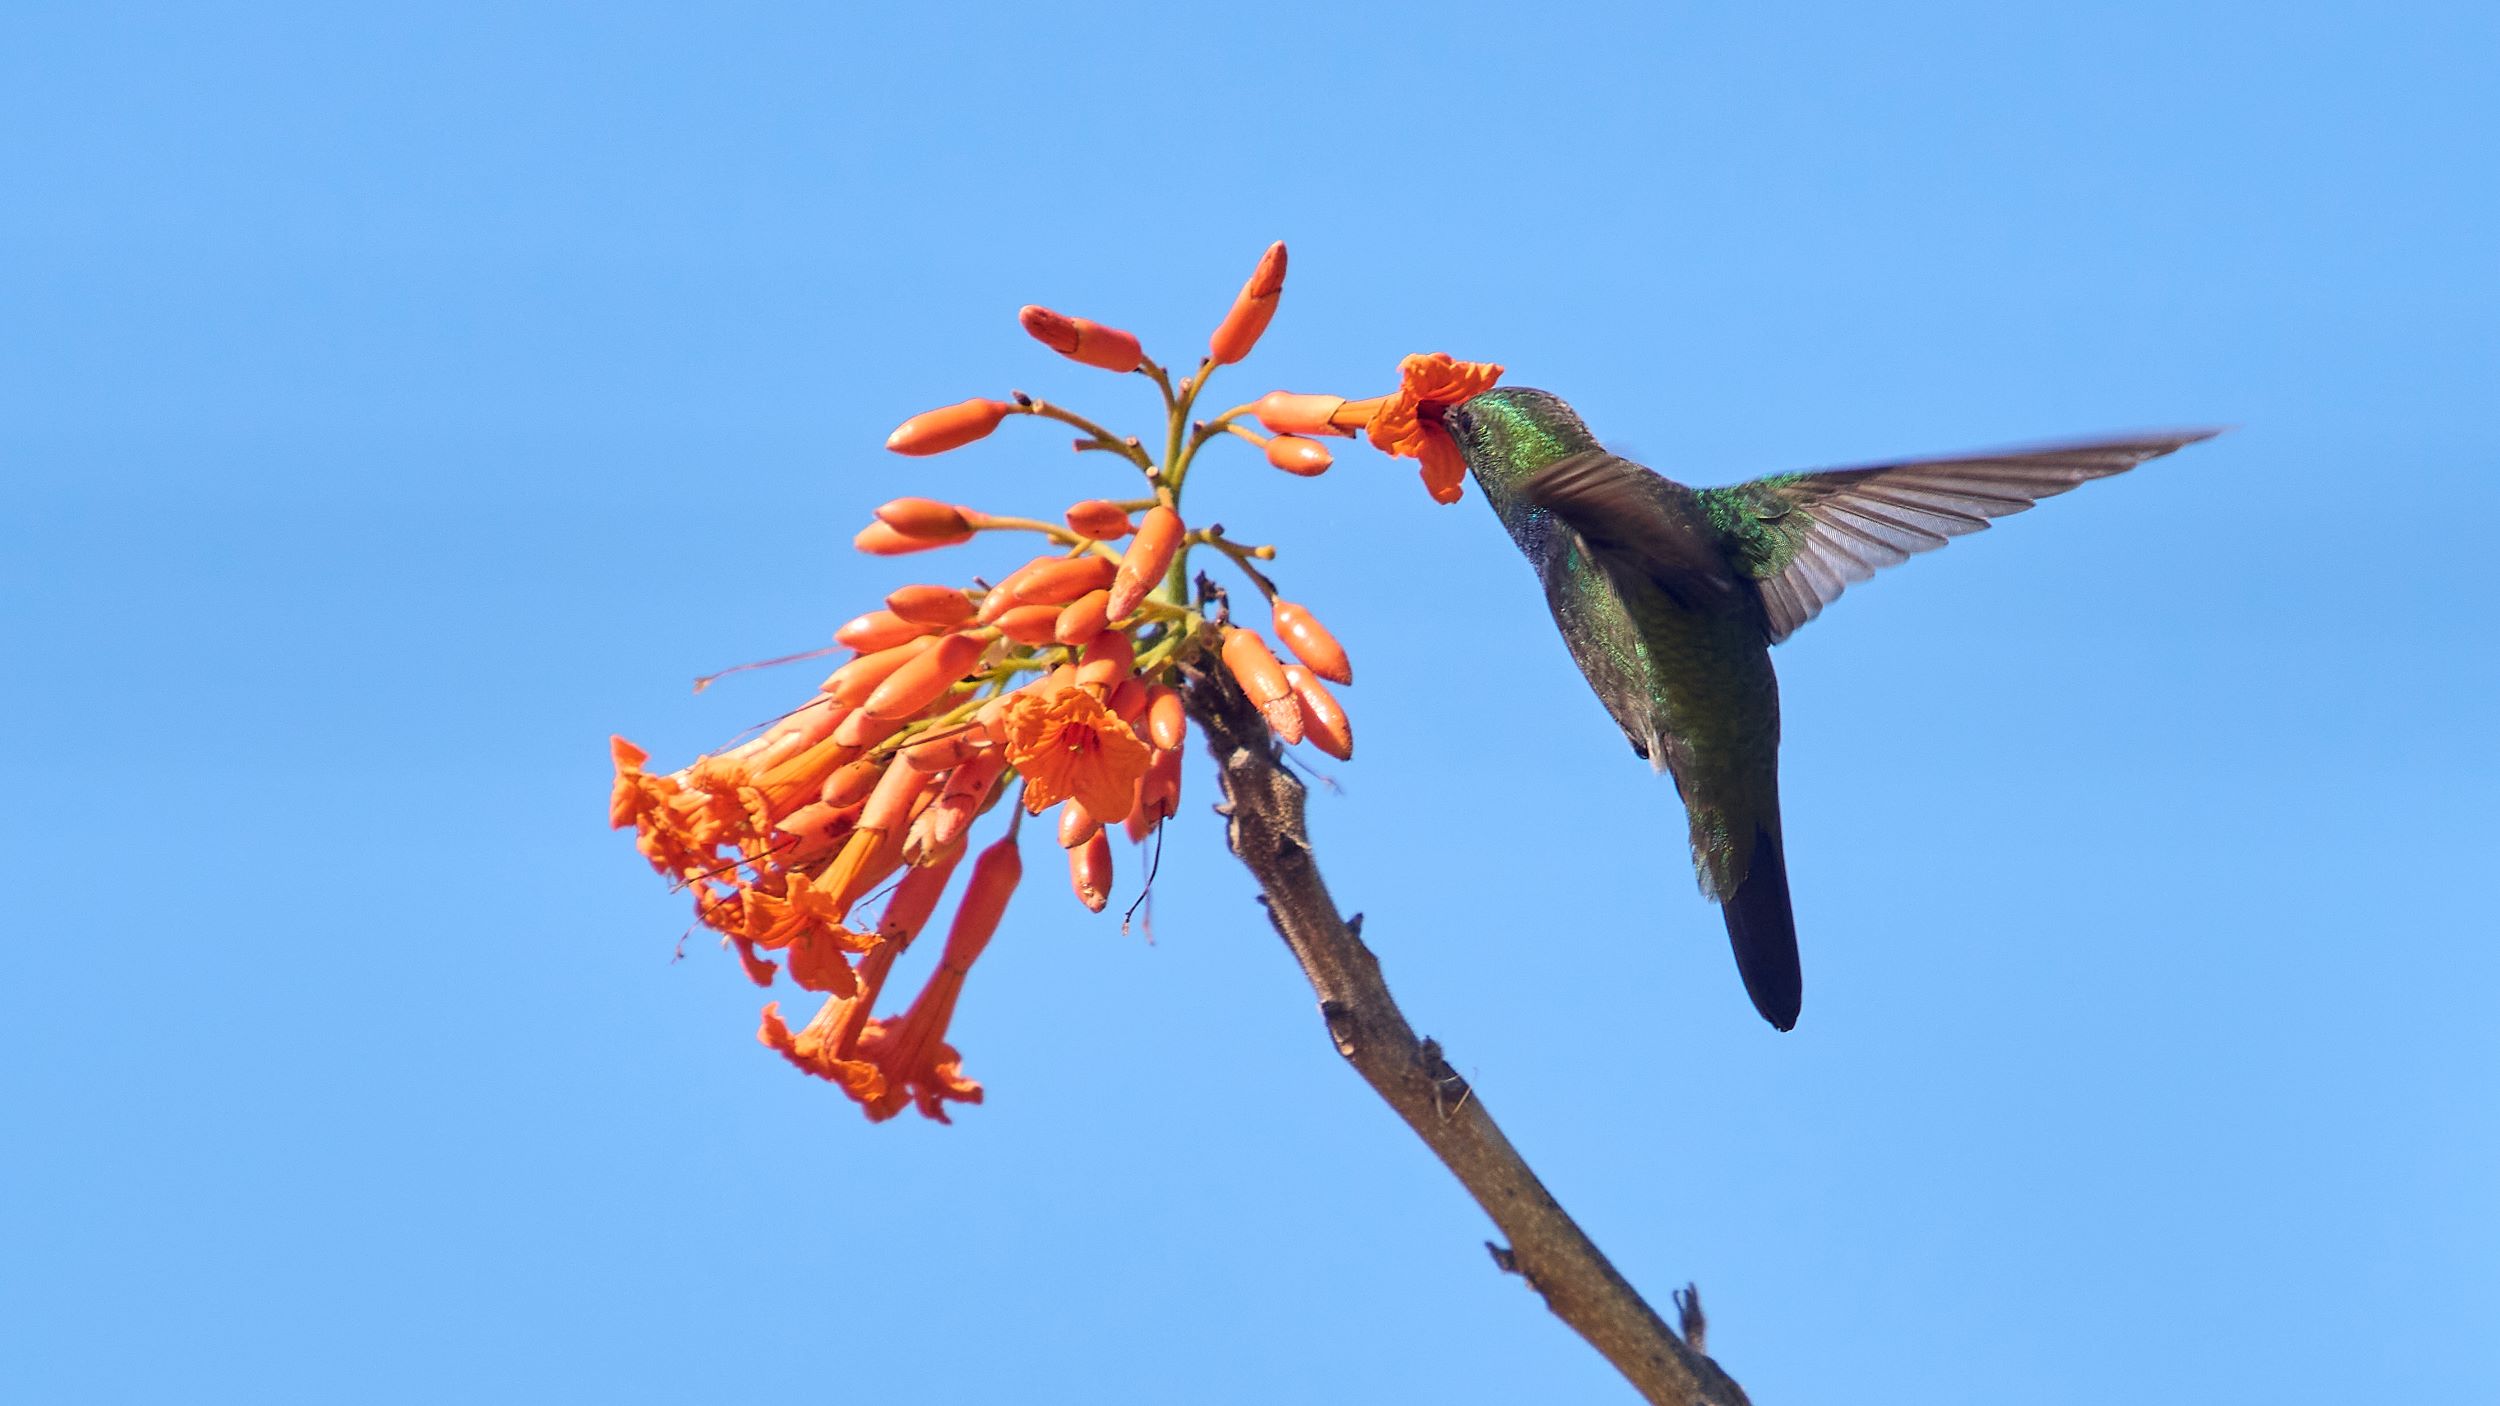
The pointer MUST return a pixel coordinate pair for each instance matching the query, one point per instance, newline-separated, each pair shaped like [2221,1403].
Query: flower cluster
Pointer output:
[1059,683]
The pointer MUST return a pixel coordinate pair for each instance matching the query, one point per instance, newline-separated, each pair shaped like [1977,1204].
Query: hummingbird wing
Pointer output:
[1805,538]
[1639,523]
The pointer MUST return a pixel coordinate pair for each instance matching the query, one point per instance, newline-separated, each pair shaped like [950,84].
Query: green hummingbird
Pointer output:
[1670,598]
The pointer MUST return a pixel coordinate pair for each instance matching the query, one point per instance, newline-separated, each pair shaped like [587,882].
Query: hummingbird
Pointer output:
[1670,598]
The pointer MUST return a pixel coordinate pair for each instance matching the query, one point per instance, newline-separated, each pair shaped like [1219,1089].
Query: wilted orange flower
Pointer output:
[1070,745]
[1408,424]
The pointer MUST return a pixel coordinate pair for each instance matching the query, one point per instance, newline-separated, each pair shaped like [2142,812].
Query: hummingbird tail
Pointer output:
[1763,930]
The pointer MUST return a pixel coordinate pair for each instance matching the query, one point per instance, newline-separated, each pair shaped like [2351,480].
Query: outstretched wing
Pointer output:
[1805,538]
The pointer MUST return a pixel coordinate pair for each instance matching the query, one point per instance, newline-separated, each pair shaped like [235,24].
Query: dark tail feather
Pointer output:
[1763,931]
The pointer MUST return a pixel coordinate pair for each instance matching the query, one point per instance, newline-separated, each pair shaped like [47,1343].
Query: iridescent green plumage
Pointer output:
[1669,600]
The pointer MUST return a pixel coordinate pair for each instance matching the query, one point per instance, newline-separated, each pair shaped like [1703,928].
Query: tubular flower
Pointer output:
[1070,746]
[1408,425]
[1062,685]
[911,1052]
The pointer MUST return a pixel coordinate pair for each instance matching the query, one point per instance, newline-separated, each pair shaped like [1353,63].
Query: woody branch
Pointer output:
[1263,806]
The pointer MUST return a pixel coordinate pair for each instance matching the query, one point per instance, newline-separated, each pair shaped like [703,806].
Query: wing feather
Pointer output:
[1805,538]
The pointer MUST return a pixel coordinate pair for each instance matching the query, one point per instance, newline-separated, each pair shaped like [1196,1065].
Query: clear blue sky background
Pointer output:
[396,400]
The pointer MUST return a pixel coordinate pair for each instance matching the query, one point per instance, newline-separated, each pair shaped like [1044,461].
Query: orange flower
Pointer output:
[1069,744]
[1408,425]
[829,1046]
[911,1052]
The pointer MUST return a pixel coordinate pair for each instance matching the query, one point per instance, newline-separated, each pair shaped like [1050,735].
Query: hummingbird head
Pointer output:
[1510,432]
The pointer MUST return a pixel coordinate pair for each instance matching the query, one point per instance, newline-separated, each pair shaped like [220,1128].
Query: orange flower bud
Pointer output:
[1002,597]
[1311,643]
[889,805]
[950,427]
[1166,721]
[1256,303]
[1142,568]
[1307,458]
[924,517]
[853,682]
[1029,624]
[1089,870]
[1263,679]
[1284,412]
[1325,722]
[1128,700]
[816,819]
[1107,660]
[878,629]
[1085,617]
[938,606]
[1080,340]
[1076,823]
[1062,579]
[851,784]
[1158,791]
[1103,521]
[924,677]
[957,746]
[880,540]
[860,730]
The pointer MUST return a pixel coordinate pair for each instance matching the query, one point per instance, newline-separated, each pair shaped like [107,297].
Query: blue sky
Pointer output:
[396,400]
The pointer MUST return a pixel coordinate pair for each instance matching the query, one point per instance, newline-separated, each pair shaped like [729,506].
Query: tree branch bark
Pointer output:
[1263,806]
